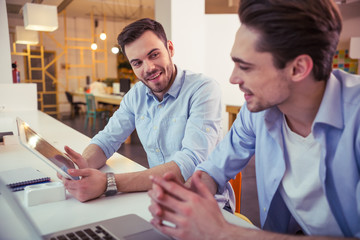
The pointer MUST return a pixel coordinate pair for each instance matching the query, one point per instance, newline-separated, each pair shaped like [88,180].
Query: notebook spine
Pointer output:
[30,182]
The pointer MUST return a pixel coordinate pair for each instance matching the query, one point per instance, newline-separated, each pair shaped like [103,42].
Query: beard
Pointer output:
[163,84]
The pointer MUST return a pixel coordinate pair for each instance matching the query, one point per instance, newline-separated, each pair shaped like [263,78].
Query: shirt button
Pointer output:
[264,209]
[174,120]
[142,117]
[207,129]
[157,150]
[155,127]
[160,106]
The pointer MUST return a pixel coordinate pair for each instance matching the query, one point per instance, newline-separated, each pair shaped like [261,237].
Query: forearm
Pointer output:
[94,156]
[139,181]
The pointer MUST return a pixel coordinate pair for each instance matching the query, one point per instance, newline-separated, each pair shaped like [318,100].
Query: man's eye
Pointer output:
[244,68]
[135,64]
[154,55]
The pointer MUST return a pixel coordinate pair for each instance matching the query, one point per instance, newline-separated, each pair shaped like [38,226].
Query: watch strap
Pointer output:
[111,188]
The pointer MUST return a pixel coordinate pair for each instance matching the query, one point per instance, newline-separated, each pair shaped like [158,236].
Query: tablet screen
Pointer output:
[38,144]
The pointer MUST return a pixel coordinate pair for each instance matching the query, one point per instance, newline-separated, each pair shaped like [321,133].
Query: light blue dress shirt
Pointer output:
[184,127]
[336,127]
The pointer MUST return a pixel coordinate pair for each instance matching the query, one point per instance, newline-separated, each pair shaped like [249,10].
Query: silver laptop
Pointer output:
[14,217]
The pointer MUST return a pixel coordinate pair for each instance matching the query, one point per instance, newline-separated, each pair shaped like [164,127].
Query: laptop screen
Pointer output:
[15,223]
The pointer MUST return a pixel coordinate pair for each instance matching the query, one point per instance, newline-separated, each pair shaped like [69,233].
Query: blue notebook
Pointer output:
[18,179]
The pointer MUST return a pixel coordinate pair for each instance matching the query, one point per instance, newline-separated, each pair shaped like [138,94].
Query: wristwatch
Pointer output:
[111,188]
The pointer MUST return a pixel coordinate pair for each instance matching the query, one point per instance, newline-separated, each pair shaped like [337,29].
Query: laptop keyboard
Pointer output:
[95,233]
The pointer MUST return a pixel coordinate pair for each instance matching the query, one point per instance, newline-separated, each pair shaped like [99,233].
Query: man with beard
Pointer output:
[177,115]
[301,120]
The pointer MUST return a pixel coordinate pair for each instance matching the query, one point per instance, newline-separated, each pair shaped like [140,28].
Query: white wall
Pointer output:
[202,43]
[183,21]
[5,59]
[220,36]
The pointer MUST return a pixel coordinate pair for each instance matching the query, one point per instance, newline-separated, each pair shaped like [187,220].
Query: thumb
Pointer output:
[72,153]
[75,157]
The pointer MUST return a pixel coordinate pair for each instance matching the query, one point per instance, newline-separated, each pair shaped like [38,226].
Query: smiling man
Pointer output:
[301,120]
[176,113]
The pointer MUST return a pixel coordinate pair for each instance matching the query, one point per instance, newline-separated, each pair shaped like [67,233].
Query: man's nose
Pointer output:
[235,77]
[149,66]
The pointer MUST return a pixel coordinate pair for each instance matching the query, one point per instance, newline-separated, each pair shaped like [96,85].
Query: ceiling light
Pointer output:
[40,17]
[102,36]
[115,49]
[93,46]
[23,36]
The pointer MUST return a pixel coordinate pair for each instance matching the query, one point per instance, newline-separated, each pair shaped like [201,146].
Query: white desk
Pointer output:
[51,217]
[102,97]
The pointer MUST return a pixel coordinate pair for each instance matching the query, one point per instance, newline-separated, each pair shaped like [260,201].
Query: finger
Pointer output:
[172,209]
[201,188]
[156,221]
[83,172]
[167,230]
[158,198]
[155,209]
[157,191]
[169,176]
[170,187]
[72,153]
[59,176]
[158,194]
[68,184]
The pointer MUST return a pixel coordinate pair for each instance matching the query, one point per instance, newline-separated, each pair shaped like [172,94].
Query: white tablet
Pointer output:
[44,150]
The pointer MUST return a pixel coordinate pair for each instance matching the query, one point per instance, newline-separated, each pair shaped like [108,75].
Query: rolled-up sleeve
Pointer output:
[233,153]
[117,130]
[203,128]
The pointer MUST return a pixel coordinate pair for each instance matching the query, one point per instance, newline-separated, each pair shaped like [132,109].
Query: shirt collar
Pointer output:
[330,111]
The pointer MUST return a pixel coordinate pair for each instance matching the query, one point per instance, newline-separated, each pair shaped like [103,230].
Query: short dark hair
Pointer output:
[289,28]
[134,30]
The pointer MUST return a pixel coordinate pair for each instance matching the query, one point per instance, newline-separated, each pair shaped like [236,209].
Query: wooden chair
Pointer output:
[92,111]
[75,106]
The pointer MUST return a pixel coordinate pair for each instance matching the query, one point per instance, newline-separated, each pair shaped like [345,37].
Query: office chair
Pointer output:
[236,185]
[75,106]
[125,85]
[92,111]
[243,217]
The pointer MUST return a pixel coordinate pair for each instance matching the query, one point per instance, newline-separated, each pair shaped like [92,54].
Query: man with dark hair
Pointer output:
[300,120]
[177,115]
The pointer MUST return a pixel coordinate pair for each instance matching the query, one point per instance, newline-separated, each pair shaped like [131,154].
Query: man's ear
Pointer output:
[302,66]
[170,48]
